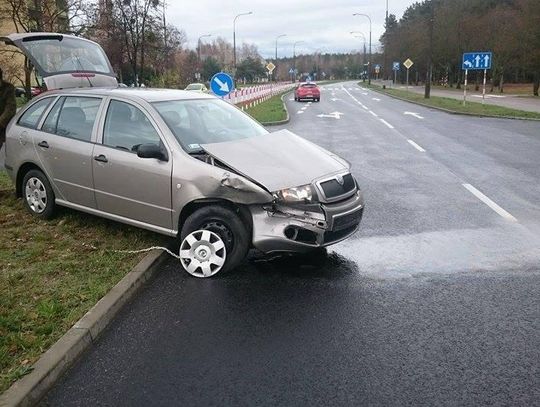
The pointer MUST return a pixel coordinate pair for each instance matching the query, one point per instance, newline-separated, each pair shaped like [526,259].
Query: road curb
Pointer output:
[442,109]
[28,390]
[287,119]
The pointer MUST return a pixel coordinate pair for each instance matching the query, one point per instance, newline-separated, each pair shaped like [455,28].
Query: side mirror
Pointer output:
[151,151]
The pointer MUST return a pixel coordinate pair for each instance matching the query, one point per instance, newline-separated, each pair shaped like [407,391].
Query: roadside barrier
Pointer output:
[253,95]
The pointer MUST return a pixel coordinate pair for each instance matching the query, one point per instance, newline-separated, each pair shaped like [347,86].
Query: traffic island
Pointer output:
[455,106]
[271,112]
[51,274]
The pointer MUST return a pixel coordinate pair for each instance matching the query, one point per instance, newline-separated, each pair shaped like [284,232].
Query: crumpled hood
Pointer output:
[277,160]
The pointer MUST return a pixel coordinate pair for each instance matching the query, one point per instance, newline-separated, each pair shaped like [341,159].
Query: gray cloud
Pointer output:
[320,24]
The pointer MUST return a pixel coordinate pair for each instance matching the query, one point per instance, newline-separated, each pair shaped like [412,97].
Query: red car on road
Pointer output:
[306,91]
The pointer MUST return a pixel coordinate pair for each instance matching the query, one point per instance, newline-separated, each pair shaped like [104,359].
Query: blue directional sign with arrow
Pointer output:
[395,66]
[477,60]
[221,84]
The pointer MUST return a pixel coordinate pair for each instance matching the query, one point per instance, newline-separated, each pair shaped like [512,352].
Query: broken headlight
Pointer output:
[304,194]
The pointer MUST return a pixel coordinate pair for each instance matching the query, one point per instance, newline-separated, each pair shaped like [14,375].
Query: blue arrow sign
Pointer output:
[477,60]
[395,66]
[221,84]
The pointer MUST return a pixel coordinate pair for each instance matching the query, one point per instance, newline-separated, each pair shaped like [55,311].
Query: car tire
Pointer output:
[38,195]
[223,224]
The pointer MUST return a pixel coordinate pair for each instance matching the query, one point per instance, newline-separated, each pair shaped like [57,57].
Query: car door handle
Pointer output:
[101,158]
[43,144]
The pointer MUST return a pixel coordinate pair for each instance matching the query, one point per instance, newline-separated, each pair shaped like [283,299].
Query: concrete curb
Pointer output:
[442,109]
[28,390]
[287,119]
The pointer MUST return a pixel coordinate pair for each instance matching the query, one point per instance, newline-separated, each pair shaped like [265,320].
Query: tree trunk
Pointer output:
[536,83]
[501,84]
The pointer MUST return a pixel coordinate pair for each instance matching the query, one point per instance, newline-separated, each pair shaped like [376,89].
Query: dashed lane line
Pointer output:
[506,215]
[412,143]
[386,124]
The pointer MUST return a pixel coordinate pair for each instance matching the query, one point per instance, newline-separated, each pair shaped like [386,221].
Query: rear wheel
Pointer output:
[213,239]
[38,196]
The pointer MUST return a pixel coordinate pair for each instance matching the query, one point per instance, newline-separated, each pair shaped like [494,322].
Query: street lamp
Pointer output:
[199,48]
[369,62]
[294,58]
[277,38]
[234,36]
[358,34]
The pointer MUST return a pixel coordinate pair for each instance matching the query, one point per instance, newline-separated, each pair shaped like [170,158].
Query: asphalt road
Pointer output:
[435,301]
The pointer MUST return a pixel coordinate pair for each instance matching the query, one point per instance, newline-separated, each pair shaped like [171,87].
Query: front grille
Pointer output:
[332,235]
[333,189]
[345,221]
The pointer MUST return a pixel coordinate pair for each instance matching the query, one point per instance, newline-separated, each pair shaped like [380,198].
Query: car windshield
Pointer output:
[206,121]
[194,86]
[68,54]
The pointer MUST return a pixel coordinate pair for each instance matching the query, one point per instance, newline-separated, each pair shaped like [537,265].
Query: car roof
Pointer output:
[147,94]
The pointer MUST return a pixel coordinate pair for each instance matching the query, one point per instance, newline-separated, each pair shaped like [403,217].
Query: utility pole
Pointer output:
[369,62]
[354,34]
[429,73]
[385,29]
[199,51]
[234,37]
[274,72]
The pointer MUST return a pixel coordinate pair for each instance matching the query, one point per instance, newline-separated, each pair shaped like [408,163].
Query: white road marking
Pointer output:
[304,108]
[414,114]
[489,203]
[300,112]
[373,113]
[412,143]
[376,99]
[291,99]
[365,94]
[334,99]
[334,115]
[387,124]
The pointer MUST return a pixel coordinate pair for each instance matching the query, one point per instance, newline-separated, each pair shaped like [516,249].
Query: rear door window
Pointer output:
[31,117]
[73,117]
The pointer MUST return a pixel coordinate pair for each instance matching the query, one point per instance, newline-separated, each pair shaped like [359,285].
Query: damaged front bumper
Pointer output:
[279,228]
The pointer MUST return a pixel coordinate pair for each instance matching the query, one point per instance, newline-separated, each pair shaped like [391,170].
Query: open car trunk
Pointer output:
[65,61]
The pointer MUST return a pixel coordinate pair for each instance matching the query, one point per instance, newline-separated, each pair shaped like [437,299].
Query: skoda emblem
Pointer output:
[340,180]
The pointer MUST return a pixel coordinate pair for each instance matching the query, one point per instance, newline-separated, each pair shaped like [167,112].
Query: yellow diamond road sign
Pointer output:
[408,63]
[270,66]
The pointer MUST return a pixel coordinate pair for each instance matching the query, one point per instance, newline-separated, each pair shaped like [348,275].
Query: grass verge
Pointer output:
[269,111]
[52,273]
[456,105]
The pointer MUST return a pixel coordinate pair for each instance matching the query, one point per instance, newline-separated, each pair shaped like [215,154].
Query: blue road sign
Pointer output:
[291,71]
[221,84]
[477,60]
[395,66]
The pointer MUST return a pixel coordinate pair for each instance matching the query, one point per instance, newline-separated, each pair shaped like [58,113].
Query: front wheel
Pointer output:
[213,239]
[38,196]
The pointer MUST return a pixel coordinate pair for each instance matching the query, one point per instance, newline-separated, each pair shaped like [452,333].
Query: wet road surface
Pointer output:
[435,301]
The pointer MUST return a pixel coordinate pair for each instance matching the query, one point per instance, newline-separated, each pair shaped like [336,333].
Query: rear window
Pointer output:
[309,85]
[31,117]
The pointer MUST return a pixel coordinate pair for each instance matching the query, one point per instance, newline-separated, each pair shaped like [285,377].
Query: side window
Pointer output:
[31,117]
[73,117]
[127,127]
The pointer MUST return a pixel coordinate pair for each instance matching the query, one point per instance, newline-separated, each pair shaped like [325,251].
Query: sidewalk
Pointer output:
[520,102]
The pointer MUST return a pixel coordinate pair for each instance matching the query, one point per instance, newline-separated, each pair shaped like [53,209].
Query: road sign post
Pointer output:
[480,60]
[408,63]
[395,68]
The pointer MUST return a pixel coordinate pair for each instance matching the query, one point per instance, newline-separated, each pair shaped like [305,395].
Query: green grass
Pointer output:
[21,102]
[52,273]
[456,105]
[272,110]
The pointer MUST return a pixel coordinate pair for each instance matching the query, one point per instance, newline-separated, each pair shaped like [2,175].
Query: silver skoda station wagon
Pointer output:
[183,164]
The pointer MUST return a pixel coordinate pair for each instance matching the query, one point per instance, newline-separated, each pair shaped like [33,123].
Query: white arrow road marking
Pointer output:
[489,203]
[335,115]
[412,143]
[223,86]
[376,99]
[413,114]
[386,124]
[334,99]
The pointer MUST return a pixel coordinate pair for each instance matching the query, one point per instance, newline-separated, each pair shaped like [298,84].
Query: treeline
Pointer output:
[509,28]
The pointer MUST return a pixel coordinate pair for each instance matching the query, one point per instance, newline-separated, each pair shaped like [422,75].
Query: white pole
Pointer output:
[484,88]
[465,88]
[407,79]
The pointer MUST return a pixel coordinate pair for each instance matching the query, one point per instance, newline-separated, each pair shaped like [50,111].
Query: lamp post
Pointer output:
[358,34]
[199,48]
[294,58]
[234,36]
[277,38]
[369,62]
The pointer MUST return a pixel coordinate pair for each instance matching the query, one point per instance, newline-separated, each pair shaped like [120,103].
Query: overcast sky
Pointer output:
[321,24]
